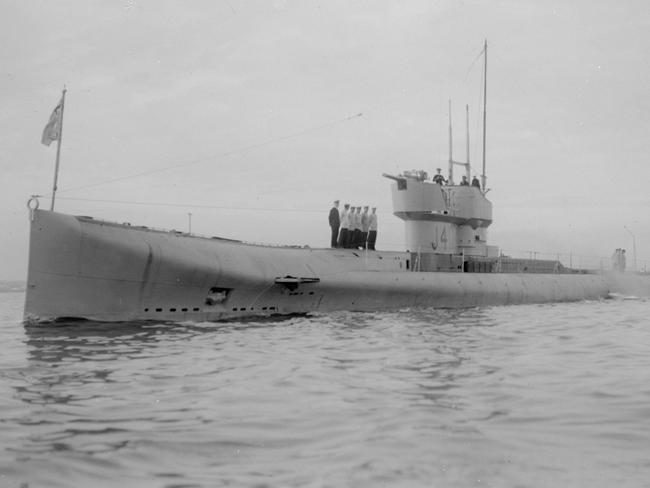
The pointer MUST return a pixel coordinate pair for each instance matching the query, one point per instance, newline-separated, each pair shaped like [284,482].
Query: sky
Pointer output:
[253,116]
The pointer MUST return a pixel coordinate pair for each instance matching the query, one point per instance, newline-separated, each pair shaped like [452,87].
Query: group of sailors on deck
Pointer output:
[438,178]
[352,228]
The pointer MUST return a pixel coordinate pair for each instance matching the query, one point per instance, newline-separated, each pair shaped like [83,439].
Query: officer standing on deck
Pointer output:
[345,224]
[356,239]
[335,223]
[348,239]
[350,222]
[365,221]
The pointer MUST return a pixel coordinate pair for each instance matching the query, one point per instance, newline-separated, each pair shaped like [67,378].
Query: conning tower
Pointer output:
[442,219]
[446,220]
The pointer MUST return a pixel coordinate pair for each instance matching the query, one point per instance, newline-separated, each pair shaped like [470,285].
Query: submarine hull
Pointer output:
[82,268]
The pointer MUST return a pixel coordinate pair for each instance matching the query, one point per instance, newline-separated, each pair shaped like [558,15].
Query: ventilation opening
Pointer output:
[217,295]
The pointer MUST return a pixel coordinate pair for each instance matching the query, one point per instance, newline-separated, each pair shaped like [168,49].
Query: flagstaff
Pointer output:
[58,149]
[53,131]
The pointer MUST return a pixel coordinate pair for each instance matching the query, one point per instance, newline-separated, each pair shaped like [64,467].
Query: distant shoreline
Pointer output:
[12,286]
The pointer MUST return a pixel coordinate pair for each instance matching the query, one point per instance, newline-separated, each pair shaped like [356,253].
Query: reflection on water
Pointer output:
[79,340]
[408,398]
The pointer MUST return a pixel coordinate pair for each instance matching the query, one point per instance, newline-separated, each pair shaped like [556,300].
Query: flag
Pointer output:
[52,131]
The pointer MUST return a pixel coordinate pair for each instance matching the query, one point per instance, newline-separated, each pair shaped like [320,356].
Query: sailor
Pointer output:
[364,228]
[372,229]
[476,183]
[438,178]
[350,227]
[356,236]
[464,181]
[350,233]
[345,224]
[350,241]
[335,223]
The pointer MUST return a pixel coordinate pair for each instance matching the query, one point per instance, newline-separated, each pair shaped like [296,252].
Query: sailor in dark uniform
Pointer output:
[335,223]
[476,183]
[464,181]
[438,178]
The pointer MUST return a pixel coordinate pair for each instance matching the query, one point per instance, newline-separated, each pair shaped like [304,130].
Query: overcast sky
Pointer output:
[245,113]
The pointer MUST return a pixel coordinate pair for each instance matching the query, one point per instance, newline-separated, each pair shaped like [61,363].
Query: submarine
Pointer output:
[84,268]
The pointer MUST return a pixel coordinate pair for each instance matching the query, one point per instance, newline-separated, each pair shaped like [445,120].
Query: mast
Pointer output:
[483,177]
[468,167]
[451,161]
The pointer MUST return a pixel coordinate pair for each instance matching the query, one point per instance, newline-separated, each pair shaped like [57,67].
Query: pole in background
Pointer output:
[189,215]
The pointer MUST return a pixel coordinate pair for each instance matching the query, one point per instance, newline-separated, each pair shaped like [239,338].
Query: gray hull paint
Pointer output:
[83,268]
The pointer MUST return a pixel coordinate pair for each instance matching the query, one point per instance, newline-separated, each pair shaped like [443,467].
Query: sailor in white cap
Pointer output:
[349,242]
[372,229]
[364,227]
[345,225]
[356,239]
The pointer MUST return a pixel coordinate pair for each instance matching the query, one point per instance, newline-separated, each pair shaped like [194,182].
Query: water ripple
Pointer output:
[539,395]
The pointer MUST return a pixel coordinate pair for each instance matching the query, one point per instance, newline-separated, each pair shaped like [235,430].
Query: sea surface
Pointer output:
[553,395]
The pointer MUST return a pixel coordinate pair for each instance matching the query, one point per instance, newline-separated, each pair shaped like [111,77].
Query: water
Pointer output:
[520,396]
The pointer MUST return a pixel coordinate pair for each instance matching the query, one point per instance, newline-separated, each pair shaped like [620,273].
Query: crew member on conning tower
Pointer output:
[438,178]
